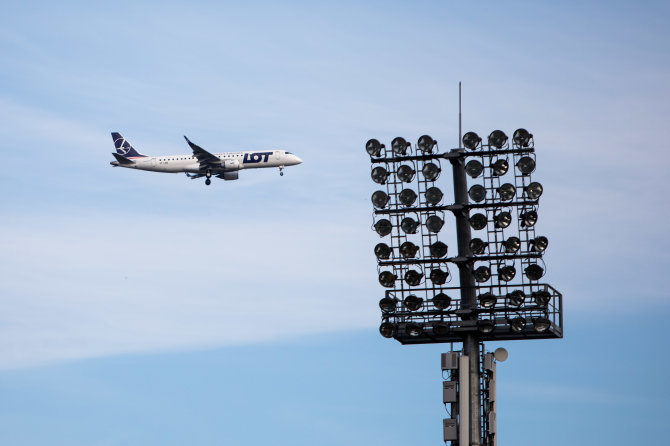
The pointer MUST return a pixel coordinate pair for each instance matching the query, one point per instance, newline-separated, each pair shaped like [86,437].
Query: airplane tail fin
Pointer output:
[124,148]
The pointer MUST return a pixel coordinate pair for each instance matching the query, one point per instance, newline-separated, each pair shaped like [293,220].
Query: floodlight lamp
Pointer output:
[387,279]
[407,197]
[539,244]
[413,303]
[374,147]
[399,145]
[438,249]
[500,167]
[382,251]
[485,326]
[474,168]
[413,329]
[387,329]
[506,191]
[431,171]
[478,246]
[526,165]
[434,223]
[440,328]
[506,273]
[413,277]
[471,140]
[533,190]
[387,305]
[383,227]
[380,199]
[433,195]
[517,324]
[511,245]
[478,221]
[441,301]
[379,175]
[502,220]
[426,144]
[405,173]
[438,277]
[541,324]
[477,193]
[408,250]
[541,297]
[516,298]
[497,139]
[528,219]
[409,225]
[522,137]
[482,274]
[487,300]
[534,271]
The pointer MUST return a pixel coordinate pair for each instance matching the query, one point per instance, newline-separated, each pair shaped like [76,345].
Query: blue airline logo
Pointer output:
[256,157]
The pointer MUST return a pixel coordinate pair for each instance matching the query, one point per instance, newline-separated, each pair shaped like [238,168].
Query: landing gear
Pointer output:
[281,171]
[208,174]
[208,181]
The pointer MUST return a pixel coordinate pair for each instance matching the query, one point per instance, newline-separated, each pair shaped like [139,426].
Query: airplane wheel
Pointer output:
[281,174]
[208,181]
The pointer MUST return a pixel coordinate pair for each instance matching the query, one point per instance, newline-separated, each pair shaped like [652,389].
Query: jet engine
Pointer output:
[233,175]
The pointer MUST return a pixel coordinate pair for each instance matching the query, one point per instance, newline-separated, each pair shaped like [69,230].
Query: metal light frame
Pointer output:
[452,324]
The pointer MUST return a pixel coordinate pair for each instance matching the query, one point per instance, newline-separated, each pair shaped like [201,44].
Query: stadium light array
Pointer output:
[498,248]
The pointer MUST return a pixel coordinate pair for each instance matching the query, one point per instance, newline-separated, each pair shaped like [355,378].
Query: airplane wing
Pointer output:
[205,158]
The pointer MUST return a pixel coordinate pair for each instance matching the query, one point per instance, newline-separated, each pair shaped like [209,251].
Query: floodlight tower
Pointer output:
[491,301]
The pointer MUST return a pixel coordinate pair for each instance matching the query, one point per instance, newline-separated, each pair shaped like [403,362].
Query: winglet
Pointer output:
[189,142]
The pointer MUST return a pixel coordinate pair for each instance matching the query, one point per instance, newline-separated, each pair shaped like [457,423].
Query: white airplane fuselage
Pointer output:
[201,163]
[230,161]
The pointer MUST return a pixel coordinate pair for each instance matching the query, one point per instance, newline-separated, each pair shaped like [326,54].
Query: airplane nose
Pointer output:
[297,160]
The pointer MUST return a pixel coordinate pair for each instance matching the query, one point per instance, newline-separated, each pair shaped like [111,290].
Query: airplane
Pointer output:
[202,163]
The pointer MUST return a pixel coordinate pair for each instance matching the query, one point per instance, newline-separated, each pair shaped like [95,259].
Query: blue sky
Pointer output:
[146,308]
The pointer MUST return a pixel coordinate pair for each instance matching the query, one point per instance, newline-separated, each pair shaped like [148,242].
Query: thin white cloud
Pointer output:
[90,286]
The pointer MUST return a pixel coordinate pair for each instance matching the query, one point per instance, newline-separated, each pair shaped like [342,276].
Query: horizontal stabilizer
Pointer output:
[122,159]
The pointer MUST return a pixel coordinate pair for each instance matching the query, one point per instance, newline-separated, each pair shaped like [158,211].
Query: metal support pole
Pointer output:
[468,294]
[463,403]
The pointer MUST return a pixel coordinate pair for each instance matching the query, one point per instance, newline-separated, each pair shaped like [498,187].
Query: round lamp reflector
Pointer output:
[471,140]
[409,225]
[407,197]
[478,221]
[507,191]
[382,251]
[383,227]
[500,168]
[405,173]
[441,301]
[430,171]
[426,144]
[373,147]
[474,168]
[497,139]
[380,199]
[477,193]
[526,165]
[399,145]
[434,223]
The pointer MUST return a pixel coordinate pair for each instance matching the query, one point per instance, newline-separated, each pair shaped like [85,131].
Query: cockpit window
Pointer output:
[288,153]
